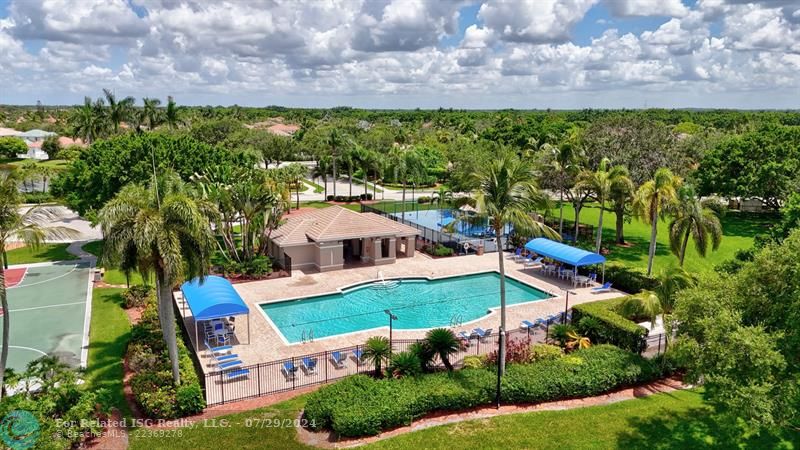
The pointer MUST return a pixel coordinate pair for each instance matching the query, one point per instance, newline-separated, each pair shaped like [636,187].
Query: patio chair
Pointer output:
[288,369]
[309,365]
[517,254]
[218,350]
[606,287]
[229,364]
[358,355]
[481,333]
[527,325]
[463,335]
[338,359]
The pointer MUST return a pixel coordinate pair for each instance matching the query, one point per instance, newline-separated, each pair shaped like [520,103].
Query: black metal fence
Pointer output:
[455,241]
[285,263]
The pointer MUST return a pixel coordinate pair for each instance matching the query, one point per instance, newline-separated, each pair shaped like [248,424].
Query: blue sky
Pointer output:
[406,53]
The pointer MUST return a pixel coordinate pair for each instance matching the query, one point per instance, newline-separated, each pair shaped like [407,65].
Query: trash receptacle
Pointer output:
[480,250]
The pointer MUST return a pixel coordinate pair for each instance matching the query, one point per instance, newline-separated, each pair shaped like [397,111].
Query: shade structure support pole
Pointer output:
[196,336]
[603,280]
[248,328]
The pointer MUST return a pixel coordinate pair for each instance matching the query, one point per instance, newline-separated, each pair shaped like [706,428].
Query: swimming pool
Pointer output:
[436,219]
[417,303]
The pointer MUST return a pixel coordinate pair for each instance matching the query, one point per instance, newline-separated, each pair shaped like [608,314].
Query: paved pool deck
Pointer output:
[267,345]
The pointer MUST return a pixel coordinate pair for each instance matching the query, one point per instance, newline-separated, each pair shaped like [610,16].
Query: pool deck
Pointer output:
[267,345]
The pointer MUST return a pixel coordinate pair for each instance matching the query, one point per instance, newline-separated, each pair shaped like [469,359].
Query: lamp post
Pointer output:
[566,303]
[392,318]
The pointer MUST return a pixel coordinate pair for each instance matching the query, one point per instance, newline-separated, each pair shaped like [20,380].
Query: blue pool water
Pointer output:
[435,219]
[418,303]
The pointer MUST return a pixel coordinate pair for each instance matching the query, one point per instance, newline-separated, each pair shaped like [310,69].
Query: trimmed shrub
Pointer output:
[474,362]
[136,296]
[545,352]
[360,405]
[607,326]
[438,250]
[330,198]
[629,279]
[423,199]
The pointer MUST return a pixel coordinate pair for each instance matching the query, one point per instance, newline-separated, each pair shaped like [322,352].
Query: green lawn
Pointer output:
[110,332]
[677,420]
[319,204]
[738,229]
[54,163]
[317,188]
[43,253]
[113,276]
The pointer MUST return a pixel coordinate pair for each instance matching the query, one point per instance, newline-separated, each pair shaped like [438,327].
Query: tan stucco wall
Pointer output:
[302,256]
[329,256]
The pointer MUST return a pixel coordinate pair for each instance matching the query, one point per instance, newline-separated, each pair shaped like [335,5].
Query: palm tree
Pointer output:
[118,110]
[296,172]
[601,183]
[507,194]
[442,196]
[621,196]
[443,342]
[563,162]
[152,113]
[27,227]
[171,115]
[334,141]
[89,121]
[660,301]
[406,165]
[158,229]
[692,218]
[653,199]
[377,350]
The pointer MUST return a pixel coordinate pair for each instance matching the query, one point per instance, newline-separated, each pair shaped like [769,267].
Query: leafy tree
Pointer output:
[653,200]
[405,165]
[762,164]
[101,171]
[739,338]
[690,217]
[601,183]
[158,229]
[377,350]
[10,147]
[213,132]
[621,197]
[507,194]
[28,227]
[52,147]
[443,342]
[563,164]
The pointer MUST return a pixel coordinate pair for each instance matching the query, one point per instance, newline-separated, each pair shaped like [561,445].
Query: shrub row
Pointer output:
[438,250]
[136,296]
[152,385]
[628,279]
[600,322]
[360,405]
[348,198]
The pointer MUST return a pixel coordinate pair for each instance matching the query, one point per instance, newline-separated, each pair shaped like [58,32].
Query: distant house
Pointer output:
[34,139]
[282,129]
[9,132]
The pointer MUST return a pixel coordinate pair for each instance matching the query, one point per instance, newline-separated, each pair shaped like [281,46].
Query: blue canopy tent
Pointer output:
[214,298]
[564,253]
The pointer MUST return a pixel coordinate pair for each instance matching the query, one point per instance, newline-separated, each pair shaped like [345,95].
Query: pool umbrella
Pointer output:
[468,209]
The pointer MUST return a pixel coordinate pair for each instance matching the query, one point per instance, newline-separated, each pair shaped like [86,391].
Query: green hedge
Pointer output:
[360,405]
[628,279]
[609,327]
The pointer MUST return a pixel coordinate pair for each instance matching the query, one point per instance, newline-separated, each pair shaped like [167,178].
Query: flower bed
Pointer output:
[360,405]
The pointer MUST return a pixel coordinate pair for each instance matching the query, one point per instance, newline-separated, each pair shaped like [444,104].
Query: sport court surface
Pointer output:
[48,310]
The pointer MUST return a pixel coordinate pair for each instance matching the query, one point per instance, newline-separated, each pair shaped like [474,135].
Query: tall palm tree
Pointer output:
[27,227]
[563,162]
[442,196]
[653,200]
[621,197]
[89,121]
[171,114]
[118,110]
[601,182]
[334,141]
[692,218]
[508,194]
[152,112]
[160,229]
[659,301]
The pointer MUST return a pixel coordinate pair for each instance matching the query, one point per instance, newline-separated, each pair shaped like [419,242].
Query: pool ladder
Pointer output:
[457,320]
[307,337]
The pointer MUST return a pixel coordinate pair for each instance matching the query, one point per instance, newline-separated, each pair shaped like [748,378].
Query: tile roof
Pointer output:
[337,223]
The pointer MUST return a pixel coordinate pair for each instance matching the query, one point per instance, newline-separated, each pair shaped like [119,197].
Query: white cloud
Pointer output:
[627,8]
[535,21]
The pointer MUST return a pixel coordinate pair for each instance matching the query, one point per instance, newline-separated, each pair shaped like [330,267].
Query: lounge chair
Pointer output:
[288,369]
[481,333]
[527,325]
[358,355]
[218,350]
[606,287]
[229,364]
[530,264]
[463,335]
[338,359]
[228,357]
[236,374]
[309,365]
[517,254]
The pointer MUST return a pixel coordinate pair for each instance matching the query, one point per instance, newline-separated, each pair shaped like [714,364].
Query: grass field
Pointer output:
[43,253]
[108,339]
[54,163]
[677,420]
[113,276]
[320,204]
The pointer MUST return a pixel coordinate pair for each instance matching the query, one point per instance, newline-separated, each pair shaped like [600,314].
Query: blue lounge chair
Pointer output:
[338,359]
[481,333]
[218,350]
[527,325]
[463,335]
[606,287]
[531,263]
[309,365]
[236,374]
[517,254]
[229,364]
[228,357]
[288,369]
[358,355]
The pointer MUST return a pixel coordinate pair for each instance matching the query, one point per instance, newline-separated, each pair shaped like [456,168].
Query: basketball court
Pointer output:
[49,307]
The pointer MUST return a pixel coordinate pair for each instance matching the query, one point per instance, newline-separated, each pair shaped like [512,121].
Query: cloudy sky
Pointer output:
[406,53]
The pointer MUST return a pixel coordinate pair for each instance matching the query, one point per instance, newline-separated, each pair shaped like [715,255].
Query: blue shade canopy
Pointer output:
[565,253]
[212,299]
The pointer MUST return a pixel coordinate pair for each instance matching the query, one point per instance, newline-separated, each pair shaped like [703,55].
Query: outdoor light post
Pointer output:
[566,303]
[392,318]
